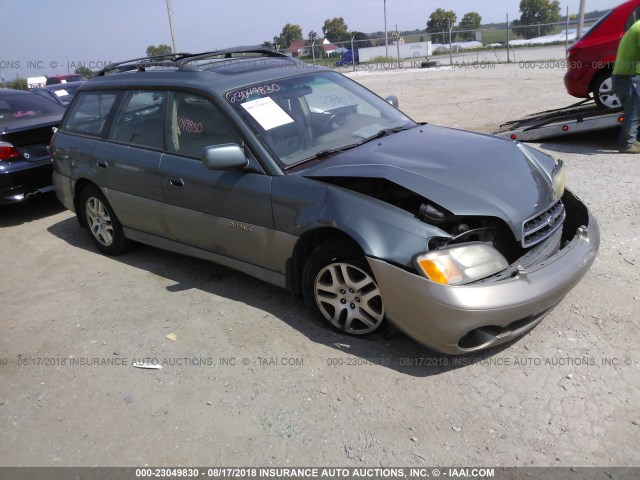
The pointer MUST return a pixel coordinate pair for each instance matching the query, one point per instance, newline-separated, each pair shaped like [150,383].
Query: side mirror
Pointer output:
[229,156]
[393,100]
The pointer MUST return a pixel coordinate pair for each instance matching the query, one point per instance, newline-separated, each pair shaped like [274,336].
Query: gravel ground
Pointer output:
[251,379]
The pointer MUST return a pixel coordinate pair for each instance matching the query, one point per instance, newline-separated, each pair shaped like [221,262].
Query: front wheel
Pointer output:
[340,289]
[102,224]
[603,92]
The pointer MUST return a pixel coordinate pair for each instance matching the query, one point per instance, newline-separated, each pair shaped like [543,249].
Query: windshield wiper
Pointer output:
[382,133]
[331,151]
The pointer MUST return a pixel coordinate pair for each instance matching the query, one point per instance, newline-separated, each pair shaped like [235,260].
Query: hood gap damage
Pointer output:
[460,228]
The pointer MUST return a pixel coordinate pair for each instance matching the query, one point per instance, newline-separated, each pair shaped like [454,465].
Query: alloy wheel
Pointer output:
[349,298]
[99,221]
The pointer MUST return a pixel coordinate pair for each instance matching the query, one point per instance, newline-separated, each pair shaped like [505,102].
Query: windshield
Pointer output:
[27,106]
[301,118]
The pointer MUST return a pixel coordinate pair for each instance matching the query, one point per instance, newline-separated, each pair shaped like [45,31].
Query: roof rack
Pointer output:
[182,59]
[166,60]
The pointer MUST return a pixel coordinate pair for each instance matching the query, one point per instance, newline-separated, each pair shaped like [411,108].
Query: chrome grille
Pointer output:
[542,226]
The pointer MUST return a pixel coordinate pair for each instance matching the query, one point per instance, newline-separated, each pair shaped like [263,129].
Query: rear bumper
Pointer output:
[63,186]
[21,180]
[463,319]
[577,82]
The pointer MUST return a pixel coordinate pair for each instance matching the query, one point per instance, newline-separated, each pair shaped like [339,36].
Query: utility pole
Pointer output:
[313,50]
[353,54]
[386,39]
[580,19]
[173,35]
[508,26]
[450,27]
[398,43]
[566,32]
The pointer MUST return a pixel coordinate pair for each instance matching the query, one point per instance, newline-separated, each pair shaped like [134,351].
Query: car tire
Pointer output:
[101,222]
[603,93]
[341,291]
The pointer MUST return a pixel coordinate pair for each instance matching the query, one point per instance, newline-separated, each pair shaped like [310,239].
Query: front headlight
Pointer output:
[559,179]
[460,264]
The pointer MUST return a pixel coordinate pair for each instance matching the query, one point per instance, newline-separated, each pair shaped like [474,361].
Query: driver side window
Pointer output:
[196,123]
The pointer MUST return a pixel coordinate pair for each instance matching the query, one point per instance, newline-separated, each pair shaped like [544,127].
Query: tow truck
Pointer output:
[581,117]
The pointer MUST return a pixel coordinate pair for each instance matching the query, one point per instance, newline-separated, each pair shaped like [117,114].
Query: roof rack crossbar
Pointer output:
[228,53]
[135,63]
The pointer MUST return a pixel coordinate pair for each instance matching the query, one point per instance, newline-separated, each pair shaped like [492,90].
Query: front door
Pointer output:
[225,212]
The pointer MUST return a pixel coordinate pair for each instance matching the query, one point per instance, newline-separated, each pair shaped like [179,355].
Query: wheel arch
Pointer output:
[608,67]
[79,186]
[307,243]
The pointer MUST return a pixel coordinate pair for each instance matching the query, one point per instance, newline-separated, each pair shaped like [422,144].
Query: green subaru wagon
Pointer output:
[301,177]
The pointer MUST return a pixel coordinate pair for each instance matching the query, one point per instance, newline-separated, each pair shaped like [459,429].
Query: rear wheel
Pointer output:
[101,222]
[340,289]
[603,92]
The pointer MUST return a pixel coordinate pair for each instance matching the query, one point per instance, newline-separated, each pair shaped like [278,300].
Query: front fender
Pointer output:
[382,230]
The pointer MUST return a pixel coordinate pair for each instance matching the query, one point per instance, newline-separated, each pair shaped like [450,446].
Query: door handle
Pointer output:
[175,181]
[102,164]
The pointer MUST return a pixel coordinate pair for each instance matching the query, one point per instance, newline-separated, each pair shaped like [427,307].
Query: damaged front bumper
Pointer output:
[468,318]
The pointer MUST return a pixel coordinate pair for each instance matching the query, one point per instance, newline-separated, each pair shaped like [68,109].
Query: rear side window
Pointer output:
[596,25]
[89,113]
[633,18]
[140,121]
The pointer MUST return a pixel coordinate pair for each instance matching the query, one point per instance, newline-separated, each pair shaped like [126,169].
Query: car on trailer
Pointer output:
[590,60]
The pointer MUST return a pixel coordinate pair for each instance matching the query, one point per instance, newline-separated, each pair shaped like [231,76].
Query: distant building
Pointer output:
[301,48]
[298,48]
[328,47]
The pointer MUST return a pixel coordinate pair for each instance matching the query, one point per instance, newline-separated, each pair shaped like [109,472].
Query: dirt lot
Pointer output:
[252,380]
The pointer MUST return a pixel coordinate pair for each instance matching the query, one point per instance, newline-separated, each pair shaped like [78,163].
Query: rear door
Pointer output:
[128,163]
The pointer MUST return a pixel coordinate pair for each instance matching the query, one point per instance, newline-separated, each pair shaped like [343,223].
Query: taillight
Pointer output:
[572,53]
[8,151]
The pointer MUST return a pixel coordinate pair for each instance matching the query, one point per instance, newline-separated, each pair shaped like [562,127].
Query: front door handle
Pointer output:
[175,181]
[102,164]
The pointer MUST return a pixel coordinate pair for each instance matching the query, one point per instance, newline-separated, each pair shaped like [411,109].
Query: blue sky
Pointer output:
[64,34]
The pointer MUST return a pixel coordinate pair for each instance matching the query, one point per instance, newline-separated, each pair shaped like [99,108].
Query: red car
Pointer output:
[590,60]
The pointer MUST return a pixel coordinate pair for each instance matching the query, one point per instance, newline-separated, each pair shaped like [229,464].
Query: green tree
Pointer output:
[360,40]
[290,33]
[153,51]
[441,21]
[336,30]
[84,71]
[470,22]
[533,13]
[17,84]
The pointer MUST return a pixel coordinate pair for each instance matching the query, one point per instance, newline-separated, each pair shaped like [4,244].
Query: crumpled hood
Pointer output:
[465,172]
